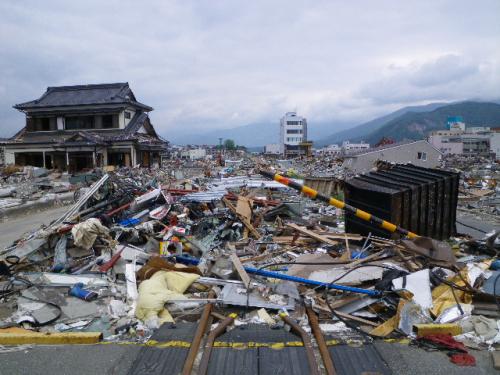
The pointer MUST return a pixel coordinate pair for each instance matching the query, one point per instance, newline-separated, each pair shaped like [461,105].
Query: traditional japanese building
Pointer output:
[76,127]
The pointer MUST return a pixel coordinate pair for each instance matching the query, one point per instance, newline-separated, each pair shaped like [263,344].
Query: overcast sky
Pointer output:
[213,64]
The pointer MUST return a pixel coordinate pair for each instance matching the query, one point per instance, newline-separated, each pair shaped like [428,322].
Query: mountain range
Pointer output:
[362,130]
[416,124]
[413,122]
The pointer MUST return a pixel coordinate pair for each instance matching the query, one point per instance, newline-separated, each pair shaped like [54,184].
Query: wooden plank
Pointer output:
[49,338]
[356,318]
[432,329]
[344,315]
[243,219]
[362,260]
[312,234]
[347,253]
[244,207]
[241,271]
[288,240]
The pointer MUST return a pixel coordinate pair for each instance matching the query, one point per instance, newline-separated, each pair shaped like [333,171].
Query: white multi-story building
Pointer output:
[350,148]
[462,140]
[333,149]
[495,142]
[293,132]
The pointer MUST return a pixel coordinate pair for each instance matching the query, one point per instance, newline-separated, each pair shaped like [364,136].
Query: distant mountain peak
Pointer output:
[416,122]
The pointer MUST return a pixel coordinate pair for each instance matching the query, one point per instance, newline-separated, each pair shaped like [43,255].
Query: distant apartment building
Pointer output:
[293,135]
[272,149]
[456,123]
[333,149]
[194,154]
[350,148]
[460,140]
[420,153]
[495,142]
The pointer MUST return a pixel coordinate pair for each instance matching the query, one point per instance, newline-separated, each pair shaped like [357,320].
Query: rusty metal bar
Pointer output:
[313,194]
[313,366]
[219,330]
[200,331]
[318,335]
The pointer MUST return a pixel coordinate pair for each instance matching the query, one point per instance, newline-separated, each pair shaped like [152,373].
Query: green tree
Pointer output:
[229,144]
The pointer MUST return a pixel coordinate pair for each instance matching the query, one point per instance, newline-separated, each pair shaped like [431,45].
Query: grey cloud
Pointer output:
[444,70]
[448,77]
[205,65]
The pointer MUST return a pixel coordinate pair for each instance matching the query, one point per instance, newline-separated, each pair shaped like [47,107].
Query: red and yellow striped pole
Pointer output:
[313,194]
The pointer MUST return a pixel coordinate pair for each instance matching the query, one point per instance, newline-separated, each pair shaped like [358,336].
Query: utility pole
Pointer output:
[220,151]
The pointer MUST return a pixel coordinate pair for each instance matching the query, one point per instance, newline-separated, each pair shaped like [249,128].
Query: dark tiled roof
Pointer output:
[109,93]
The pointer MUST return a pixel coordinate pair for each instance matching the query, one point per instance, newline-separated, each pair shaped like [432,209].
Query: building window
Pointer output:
[294,131]
[41,124]
[294,122]
[79,122]
[127,114]
[45,122]
[107,121]
[422,155]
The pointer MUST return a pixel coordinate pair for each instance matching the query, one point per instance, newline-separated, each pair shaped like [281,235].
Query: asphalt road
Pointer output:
[13,228]
[117,360]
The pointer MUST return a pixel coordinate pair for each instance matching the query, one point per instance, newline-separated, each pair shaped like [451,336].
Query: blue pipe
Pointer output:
[281,276]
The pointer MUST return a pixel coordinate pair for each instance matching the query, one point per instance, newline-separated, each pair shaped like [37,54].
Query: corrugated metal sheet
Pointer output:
[159,361]
[419,199]
[232,361]
[170,360]
[366,359]
[257,333]
[262,360]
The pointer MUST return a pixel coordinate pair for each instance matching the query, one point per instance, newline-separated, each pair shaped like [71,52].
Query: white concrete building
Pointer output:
[194,154]
[460,140]
[349,148]
[272,149]
[330,150]
[495,143]
[293,132]
[419,153]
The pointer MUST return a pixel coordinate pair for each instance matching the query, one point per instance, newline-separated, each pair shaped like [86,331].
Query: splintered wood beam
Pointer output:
[243,219]
[310,233]
[241,271]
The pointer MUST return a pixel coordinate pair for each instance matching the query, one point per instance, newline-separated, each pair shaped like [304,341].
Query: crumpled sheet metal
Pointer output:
[204,196]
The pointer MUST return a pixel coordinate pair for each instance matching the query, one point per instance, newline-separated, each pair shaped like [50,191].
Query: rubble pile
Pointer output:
[140,248]
[478,209]
[25,188]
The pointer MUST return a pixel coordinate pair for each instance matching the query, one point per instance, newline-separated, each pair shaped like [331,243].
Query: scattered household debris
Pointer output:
[141,248]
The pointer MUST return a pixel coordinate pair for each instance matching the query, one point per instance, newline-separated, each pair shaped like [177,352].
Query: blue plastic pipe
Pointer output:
[281,276]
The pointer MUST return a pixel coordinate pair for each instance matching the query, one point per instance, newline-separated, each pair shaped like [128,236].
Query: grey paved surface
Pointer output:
[13,228]
[69,360]
[117,359]
[474,226]
[409,360]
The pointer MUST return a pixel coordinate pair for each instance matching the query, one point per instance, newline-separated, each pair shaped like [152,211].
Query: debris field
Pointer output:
[263,267]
